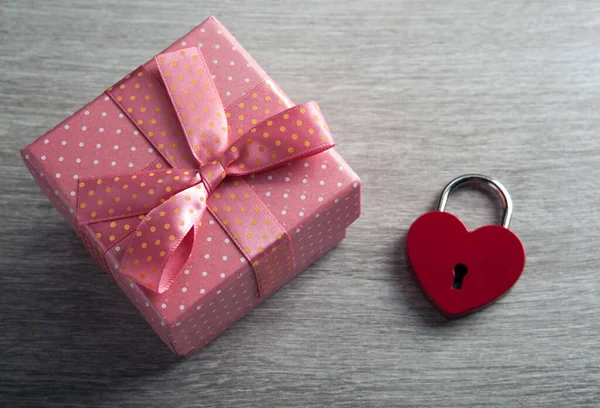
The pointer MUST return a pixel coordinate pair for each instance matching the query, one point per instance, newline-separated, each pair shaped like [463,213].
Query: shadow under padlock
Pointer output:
[462,271]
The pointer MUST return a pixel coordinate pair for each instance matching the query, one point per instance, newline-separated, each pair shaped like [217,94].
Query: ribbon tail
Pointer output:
[163,241]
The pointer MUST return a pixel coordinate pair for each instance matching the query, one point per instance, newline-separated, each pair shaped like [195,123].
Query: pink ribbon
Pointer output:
[207,174]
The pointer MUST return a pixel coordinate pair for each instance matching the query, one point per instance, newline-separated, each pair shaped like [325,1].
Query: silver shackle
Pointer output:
[480,179]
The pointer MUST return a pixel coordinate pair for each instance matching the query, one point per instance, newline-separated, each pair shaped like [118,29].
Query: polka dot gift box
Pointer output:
[198,185]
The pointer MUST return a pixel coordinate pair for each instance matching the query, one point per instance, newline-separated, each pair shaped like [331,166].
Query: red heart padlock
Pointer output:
[462,271]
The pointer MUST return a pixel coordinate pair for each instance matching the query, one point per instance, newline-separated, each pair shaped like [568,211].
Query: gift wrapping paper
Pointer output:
[263,192]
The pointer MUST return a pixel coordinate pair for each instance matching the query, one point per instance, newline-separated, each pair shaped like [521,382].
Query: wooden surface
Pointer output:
[416,92]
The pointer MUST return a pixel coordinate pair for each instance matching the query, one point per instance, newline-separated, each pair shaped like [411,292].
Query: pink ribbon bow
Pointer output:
[171,202]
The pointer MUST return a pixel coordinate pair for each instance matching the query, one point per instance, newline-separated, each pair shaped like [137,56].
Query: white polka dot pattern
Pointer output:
[314,199]
[146,103]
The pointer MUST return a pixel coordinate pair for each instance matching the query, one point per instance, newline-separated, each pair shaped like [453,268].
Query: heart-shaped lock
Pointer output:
[462,271]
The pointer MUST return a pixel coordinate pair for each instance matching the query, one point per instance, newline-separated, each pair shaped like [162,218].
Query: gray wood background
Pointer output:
[416,92]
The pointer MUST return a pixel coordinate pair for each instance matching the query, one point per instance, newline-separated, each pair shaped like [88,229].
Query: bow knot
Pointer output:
[212,173]
[170,203]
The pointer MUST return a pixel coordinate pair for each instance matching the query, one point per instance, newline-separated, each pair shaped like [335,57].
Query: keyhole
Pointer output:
[460,271]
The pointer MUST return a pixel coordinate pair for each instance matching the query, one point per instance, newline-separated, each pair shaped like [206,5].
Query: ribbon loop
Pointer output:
[196,102]
[290,135]
[163,241]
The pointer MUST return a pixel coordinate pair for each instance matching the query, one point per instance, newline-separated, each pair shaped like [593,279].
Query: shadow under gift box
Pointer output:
[315,199]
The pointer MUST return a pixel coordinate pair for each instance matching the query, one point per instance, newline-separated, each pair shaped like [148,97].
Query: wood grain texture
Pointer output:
[416,92]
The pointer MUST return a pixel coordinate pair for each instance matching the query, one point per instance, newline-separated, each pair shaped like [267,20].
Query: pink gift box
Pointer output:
[313,198]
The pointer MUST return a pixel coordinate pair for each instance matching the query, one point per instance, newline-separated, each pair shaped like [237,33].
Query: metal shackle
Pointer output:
[479,179]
